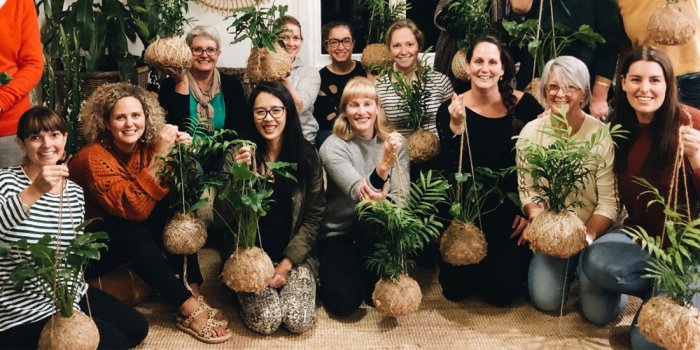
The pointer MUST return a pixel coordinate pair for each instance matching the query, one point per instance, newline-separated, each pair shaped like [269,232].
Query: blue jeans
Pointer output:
[613,267]
[689,89]
[545,280]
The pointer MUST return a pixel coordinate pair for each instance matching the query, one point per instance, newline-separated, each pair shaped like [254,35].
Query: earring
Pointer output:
[469,76]
[500,78]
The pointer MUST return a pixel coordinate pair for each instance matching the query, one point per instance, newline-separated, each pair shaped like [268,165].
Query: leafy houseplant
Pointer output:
[557,170]
[670,321]
[59,274]
[467,20]
[405,229]
[247,195]
[268,60]
[463,243]
[376,56]
[422,144]
[169,51]
[185,233]
[547,45]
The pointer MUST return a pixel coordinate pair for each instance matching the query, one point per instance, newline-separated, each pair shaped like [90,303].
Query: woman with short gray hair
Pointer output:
[566,88]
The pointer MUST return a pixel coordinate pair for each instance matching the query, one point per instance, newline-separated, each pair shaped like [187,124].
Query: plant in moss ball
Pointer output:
[405,230]
[382,15]
[558,170]
[670,320]
[247,196]
[58,271]
[268,60]
[474,194]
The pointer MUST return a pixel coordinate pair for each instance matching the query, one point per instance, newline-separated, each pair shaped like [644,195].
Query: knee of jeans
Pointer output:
[546,298]
[599,316]
[595,262]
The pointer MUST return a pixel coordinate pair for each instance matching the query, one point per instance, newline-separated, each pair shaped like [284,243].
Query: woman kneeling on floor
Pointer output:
[289,229]
[120,172]
[33,197]
[361,159]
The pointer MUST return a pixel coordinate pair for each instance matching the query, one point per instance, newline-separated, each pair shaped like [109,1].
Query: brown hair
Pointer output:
[359,87]
[38,119]
[287,19]
[98,107]
[404,23]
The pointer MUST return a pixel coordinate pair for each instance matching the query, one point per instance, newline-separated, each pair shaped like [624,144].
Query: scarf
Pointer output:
[205,111]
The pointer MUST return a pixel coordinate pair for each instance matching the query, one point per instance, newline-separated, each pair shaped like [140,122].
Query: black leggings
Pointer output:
[141,245]
[344,277]
[501,276]
[120,326]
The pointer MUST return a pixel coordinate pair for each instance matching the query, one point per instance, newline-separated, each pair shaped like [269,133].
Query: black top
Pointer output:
[491,139]
[177,106]
[276,226]
[328,99]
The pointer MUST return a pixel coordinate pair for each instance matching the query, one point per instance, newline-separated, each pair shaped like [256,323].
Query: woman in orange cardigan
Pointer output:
[120,172]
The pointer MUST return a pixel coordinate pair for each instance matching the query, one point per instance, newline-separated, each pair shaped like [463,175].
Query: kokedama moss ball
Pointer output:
[667,324]
[460,68]
[398,297]
[672,24]
[168,53]
[376,55]
[422,146]
[248,270]
[77,332]
[267,65]
[463,244]
[557,234]
[184,234]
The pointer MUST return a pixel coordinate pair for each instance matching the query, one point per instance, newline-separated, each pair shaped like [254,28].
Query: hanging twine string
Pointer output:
[537,38]
[465,134]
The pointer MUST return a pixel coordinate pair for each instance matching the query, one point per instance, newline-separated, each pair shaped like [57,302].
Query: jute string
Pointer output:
[184,211]
[539,30]
[465,134]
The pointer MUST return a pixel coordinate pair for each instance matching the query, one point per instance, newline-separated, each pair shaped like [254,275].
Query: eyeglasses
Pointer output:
[275,112]
[333,43]
[554,89]
[210,51]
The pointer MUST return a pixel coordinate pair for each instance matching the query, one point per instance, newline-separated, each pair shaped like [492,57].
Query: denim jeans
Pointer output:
[689,89]
[545,280]
[612,268]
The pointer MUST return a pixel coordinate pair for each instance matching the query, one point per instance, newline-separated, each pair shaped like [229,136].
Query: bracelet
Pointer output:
[598,82]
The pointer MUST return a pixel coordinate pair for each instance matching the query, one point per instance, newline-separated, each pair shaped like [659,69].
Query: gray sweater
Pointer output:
[346,164]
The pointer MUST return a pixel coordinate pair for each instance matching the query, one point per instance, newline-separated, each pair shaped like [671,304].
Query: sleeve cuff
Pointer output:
[151,186]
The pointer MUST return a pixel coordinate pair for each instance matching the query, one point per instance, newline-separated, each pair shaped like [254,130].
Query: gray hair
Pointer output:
[566,71]
[205,31]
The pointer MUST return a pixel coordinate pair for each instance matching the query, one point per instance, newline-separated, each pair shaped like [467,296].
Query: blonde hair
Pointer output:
[404,23]
[94,116]
[203,31]
[360,87]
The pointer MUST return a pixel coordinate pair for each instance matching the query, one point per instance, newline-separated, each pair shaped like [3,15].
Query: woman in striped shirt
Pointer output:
[36,199]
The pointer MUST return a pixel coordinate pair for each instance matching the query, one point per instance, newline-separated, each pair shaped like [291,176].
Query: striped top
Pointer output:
[440,89]
[31,305]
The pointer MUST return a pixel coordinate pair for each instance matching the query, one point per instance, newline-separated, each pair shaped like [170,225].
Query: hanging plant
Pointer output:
[405,229]
[464,243]
[672,24]
[249,269]
[557,171]
[59,273]
[376,55]
[669,320]
[412,89]
[268,60]
[467,20]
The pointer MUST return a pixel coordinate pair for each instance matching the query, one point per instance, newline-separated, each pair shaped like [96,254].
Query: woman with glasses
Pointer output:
[202,95]
[304,81]
[566,87]
[338,42]
[288,231]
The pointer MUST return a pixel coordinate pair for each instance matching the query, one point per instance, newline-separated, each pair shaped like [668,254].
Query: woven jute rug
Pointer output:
[438,324]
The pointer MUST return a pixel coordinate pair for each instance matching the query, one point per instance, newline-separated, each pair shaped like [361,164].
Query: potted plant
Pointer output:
[185,233]
[169,51]
[544,46]
[268,60]
[422,144]
[406,228]
[247,196]
[557,170]
[669,320]
[467,20]
[672,24]
[59,272]
[376,56]
[463,243]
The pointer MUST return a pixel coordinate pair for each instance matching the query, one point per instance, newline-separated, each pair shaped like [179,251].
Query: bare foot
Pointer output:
[197,294]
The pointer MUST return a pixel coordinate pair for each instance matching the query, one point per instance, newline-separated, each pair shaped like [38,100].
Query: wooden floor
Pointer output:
[438,324]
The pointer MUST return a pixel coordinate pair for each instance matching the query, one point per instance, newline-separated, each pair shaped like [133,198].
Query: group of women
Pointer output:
[311,232]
